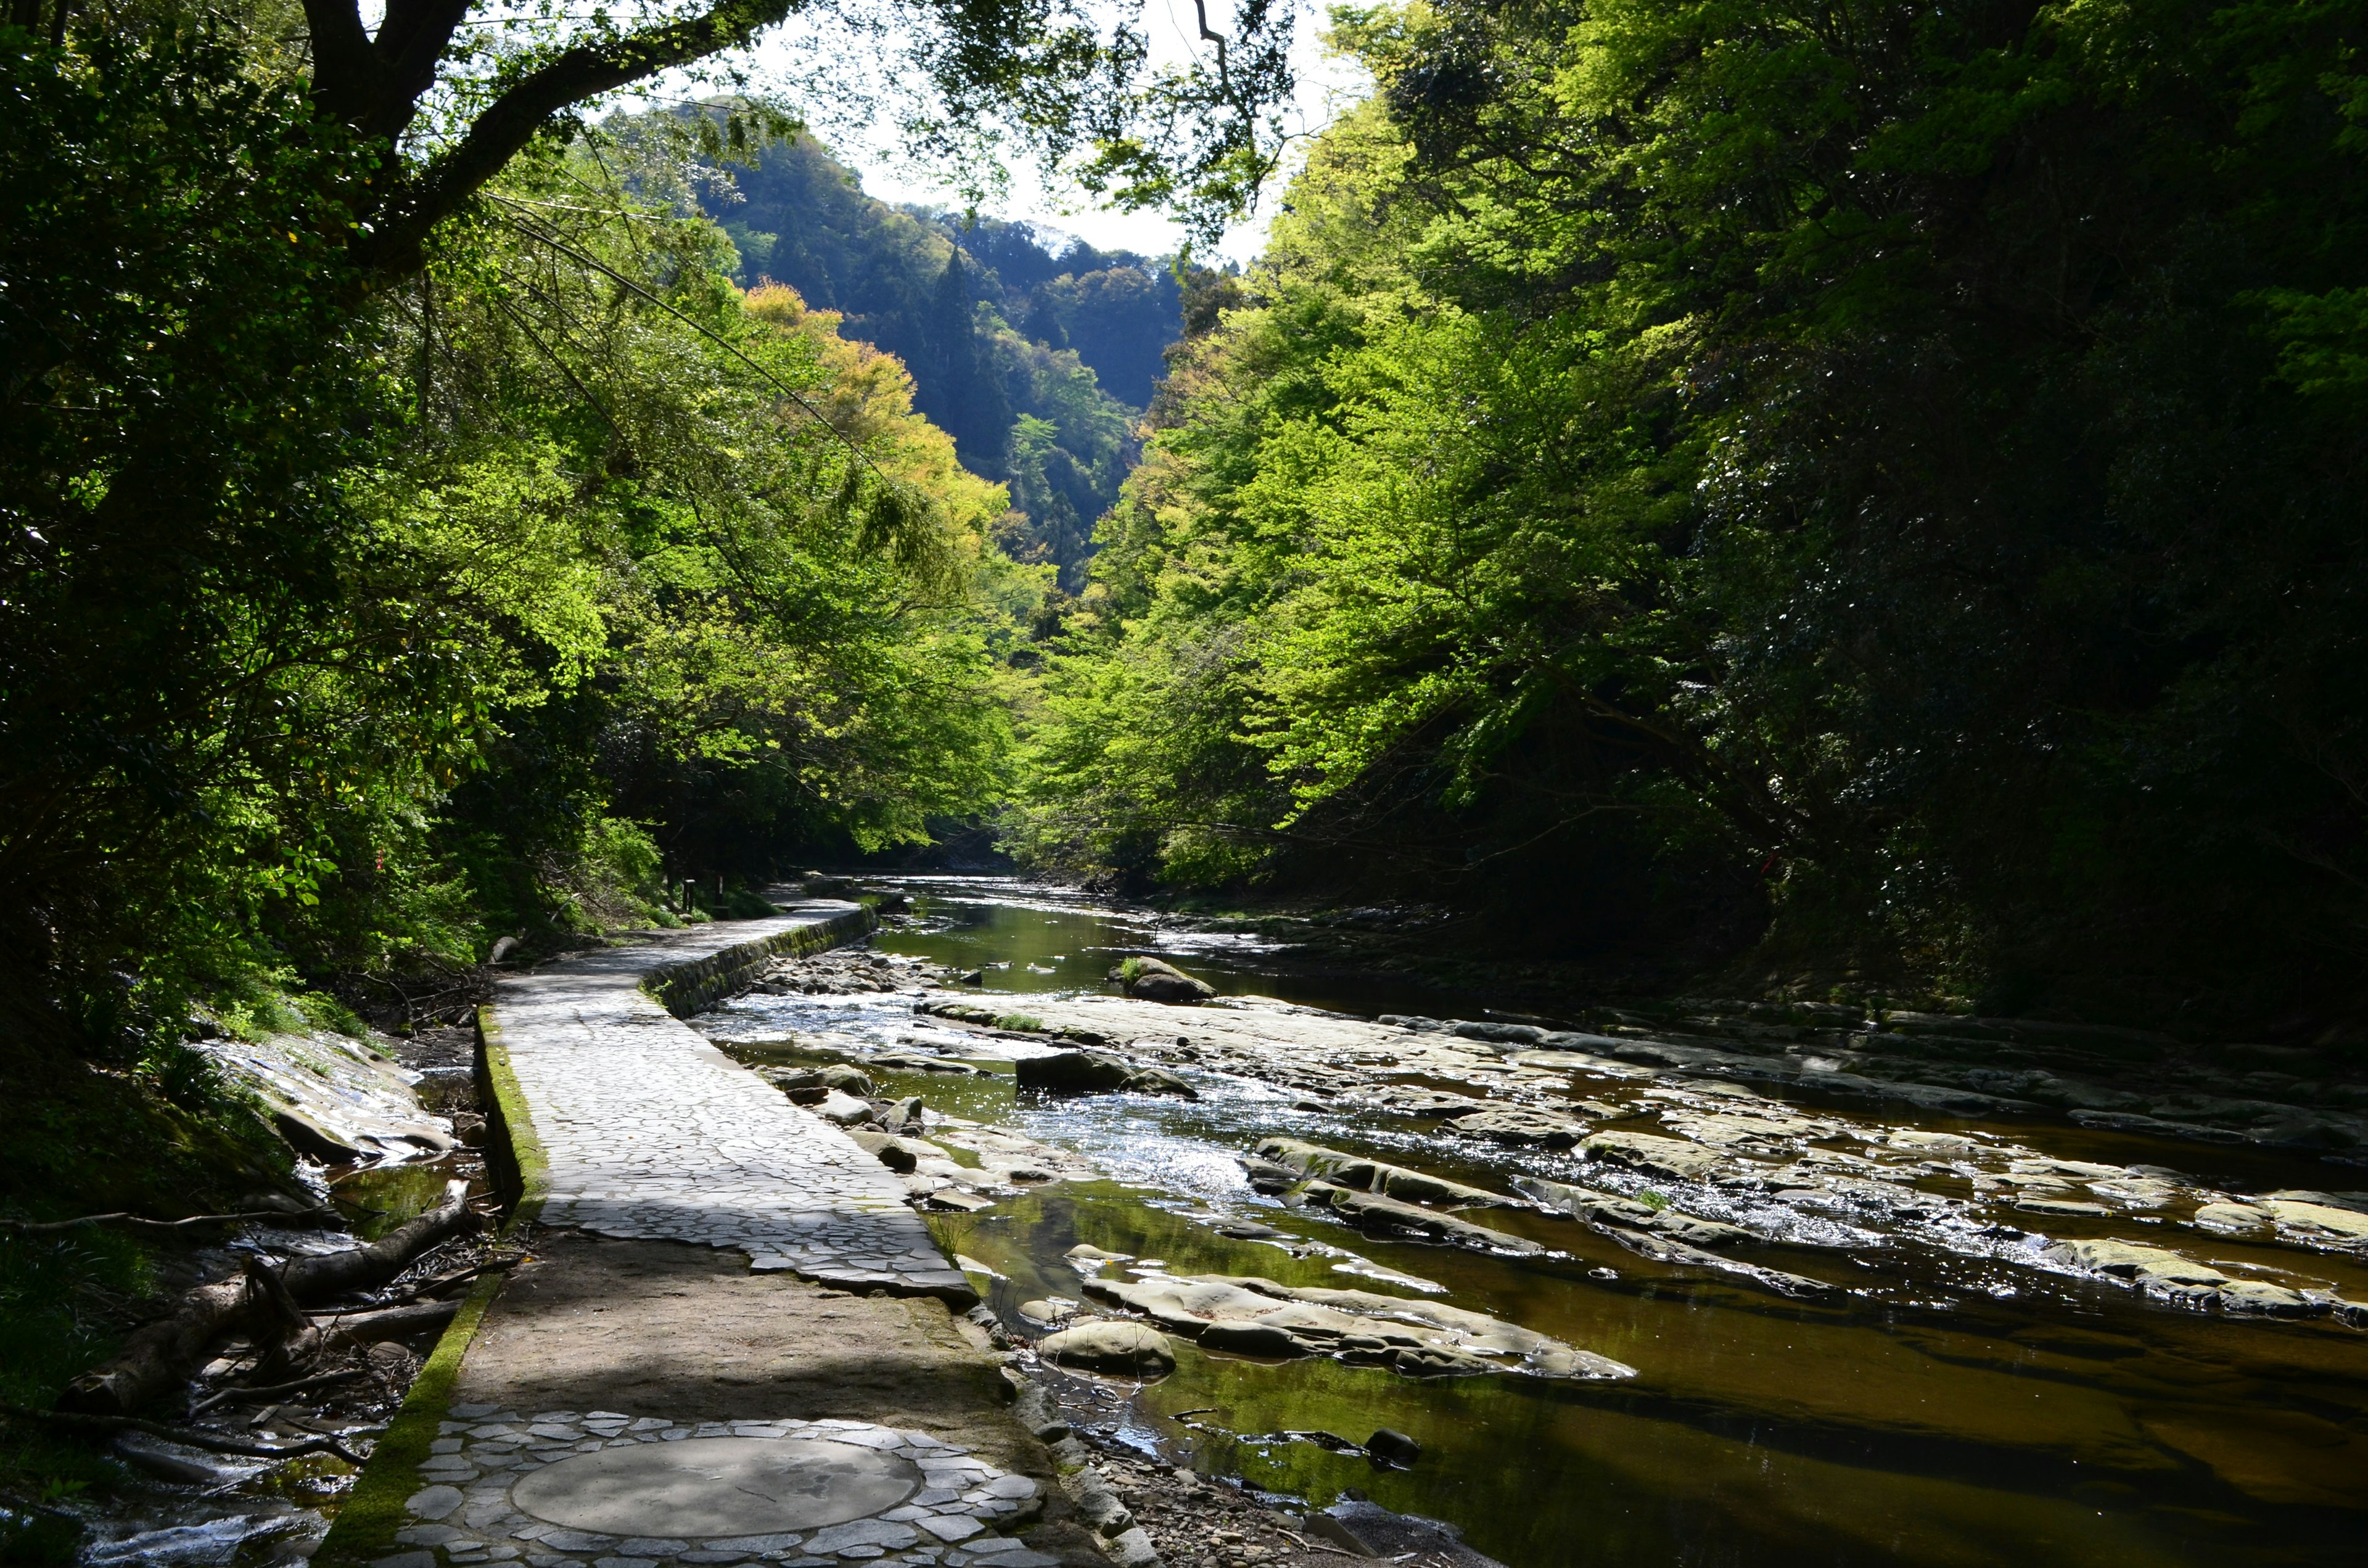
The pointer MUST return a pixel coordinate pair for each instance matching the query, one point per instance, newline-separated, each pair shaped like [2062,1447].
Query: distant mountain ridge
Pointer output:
[1037,360]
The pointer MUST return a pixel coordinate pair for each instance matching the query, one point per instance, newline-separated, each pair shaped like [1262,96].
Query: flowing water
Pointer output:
[1948,1404]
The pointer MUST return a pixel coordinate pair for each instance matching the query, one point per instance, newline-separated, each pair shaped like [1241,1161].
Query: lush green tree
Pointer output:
[1894,467]
[295,553]
[217,656]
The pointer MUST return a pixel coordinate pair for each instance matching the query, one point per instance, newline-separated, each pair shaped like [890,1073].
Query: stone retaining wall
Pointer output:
[687,988]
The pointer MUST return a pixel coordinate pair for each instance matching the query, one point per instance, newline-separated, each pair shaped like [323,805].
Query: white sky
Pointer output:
[1326,85]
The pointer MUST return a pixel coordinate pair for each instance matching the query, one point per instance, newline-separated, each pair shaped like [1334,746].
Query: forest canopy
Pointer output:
[1037,353]
[1862,493]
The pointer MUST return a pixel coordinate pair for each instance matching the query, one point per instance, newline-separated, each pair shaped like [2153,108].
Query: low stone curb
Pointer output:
[514,1153]
[687,988]
[373,1511]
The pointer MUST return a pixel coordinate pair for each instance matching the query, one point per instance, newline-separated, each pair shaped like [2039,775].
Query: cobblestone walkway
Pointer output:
[482,1503]
[652,1133]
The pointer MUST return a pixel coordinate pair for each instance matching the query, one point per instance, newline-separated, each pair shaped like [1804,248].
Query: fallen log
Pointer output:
[387,1322]
[160,1356]
[332,1274]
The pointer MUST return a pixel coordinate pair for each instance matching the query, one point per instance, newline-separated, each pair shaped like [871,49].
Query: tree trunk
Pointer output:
[161,1356]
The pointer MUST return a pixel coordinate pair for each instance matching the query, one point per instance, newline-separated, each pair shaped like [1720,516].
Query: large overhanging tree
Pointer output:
[206,207]
[459,87]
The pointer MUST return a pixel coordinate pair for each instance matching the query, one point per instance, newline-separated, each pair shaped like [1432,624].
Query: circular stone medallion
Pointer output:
[716,1486]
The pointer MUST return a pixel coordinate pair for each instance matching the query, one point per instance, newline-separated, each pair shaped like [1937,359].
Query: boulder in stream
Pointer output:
[899,1154]
[1087,1072]
[1115,1345]
[1153,980]
[845,1077]
[844,1110]
[1368,1530]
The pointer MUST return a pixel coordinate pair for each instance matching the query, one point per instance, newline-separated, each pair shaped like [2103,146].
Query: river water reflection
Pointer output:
[1941,1407]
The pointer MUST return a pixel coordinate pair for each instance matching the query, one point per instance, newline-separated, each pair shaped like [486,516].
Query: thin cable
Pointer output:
[792,392]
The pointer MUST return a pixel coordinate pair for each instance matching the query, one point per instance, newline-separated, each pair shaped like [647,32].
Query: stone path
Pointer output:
[652,1133]
[653,1136]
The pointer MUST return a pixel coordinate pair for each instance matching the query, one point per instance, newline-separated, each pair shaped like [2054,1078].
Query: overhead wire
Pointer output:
[534,232]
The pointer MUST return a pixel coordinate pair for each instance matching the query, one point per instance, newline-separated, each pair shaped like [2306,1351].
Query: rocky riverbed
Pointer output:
[384,1127]
[1807,1282]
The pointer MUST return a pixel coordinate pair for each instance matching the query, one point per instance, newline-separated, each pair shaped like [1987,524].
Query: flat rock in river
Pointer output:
[1655,1155]
[1415,1337]
[2164,1274]
[1609,1212]
[2320,1216]
[1522,1125]
[1373,1212]
[1374,1175]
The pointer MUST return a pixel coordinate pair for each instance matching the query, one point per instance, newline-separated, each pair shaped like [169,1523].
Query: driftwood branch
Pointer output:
[526,107]
[273,1391]
[388,1323]
[77,1420]
[443,1282]
[141,1222]
[160,1356]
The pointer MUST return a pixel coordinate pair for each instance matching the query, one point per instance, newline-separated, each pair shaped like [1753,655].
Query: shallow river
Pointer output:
[1947,1403]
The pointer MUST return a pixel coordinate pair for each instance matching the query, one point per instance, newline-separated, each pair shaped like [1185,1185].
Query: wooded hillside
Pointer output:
[1037,353]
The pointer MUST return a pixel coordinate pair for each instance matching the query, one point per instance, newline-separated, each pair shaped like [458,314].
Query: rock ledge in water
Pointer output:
[1414,1338]
[1374,1175]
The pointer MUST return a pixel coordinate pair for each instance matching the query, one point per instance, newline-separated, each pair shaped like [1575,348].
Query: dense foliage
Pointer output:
[351,624]
[1037,362]
[411,534]
[1868,489]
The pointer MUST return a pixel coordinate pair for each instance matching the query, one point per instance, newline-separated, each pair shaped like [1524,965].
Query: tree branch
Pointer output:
[218,1442]
[344,69]
[375,85]
[28,1228]
[410,44]
[526,106]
